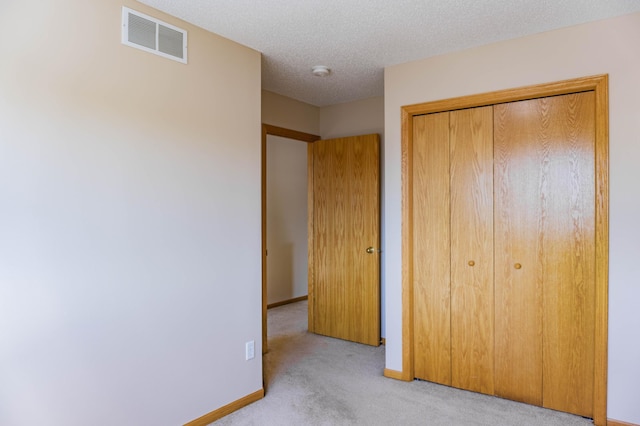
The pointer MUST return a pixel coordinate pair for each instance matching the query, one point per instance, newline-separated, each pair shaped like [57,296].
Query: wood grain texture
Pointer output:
[566,125]
[599,86]
[611,422]
[289,133]
[545,218]
[310,242]
[287,302]
[263,217]
[521,162]
[397,375]
[601,92]
[432,248]
[582,84]
[472,296]
[408,335]
[346,289]
[227,409]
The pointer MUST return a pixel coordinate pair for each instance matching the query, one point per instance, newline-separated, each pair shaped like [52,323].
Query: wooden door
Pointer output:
[432,248]
[471,146]
[453,248]
[344,271]
[504,250]
[520,179]
[545,246]
[550,253]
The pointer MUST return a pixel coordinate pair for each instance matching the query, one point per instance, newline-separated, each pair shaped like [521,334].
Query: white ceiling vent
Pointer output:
[152,35]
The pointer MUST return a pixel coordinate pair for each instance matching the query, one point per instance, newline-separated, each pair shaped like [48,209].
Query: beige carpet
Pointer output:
[316,380]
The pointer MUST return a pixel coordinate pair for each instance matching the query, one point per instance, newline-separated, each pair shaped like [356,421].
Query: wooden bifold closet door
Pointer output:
[504,250]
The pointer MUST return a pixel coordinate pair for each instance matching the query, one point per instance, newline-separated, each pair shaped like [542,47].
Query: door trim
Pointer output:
[599,85]
[310,242]
[268,129]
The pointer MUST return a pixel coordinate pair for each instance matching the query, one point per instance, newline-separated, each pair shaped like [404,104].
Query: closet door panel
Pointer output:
[544,245]
[521,192]
[432,248]
[567,125]
[472,296]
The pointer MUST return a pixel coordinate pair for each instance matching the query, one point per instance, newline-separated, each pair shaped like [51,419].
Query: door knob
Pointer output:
[371,250]
[517,266]
[471,263]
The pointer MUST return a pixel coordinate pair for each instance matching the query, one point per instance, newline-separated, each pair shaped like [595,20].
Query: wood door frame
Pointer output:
[267,130]
[599,85]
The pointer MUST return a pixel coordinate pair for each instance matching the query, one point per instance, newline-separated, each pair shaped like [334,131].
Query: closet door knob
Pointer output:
[517,266]
[471,263]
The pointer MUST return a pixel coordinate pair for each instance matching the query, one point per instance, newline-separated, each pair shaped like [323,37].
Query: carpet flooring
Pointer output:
[316,380]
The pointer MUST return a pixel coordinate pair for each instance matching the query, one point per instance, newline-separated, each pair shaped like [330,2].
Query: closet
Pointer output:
[503,249]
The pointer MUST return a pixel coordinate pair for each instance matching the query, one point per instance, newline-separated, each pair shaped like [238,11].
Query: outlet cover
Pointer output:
[250,350]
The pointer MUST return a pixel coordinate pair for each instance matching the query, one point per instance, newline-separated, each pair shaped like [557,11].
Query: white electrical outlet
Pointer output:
[250,350]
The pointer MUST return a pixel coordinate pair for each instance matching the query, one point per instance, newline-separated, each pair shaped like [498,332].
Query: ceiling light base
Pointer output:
[320,71]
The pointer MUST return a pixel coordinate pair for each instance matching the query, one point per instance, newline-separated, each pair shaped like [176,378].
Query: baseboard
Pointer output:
[286,302]
[611,422]
[227,409]
[394,374]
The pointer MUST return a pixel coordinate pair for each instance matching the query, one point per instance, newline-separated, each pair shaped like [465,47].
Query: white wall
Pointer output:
[287,261]
[129,220]
[609,46]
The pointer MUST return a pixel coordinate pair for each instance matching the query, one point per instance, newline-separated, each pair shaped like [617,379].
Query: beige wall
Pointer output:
[609,46]
[282,111]
[287,196]
[129,200]
[353,118]
[287,273]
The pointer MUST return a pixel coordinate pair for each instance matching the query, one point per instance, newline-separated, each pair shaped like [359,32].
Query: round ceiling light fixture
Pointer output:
[320,71]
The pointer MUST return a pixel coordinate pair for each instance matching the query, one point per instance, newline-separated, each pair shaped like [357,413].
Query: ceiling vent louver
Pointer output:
[152,35]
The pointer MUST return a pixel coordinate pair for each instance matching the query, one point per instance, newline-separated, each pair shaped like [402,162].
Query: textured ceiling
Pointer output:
[357,39]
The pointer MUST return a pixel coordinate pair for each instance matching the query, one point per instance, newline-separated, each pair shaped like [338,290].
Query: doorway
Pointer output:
[287,241]
[343,234]
[293,135]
